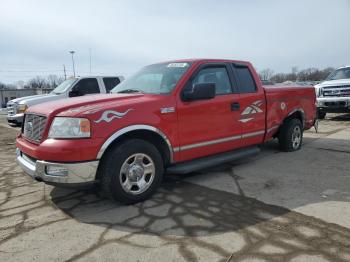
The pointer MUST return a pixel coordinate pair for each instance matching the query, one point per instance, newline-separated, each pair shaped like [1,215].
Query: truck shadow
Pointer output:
[190,216]
[178,208]
[339,117]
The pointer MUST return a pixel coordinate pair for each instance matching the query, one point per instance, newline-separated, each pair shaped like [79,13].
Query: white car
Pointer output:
[72,87]
[333,94]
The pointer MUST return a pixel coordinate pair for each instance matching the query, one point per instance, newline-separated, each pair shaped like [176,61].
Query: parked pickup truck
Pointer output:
[72,87]
[173,117]
[333,95]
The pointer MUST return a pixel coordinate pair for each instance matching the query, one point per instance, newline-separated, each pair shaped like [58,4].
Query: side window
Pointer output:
[246,83]
[87,86]
[110,83]
[216,75]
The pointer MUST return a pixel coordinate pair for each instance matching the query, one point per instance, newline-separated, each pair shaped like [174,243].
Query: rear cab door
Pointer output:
[252,102]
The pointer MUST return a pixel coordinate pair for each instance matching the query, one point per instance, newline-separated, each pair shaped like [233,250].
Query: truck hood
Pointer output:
[87,105]
[33,100]
[339,82]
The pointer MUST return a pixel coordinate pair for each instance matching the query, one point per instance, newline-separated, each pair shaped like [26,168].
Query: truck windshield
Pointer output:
[61,88]
[342,73]
[153,79]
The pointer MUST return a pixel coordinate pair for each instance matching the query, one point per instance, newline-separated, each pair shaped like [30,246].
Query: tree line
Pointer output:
[305,75]
[38,82]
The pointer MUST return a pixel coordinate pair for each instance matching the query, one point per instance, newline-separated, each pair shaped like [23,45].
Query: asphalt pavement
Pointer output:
[275,206]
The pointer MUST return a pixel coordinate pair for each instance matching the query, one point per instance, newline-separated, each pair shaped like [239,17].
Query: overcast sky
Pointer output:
[35,36]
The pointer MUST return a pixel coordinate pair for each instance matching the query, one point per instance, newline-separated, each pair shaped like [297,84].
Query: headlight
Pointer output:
[21,108]
[69,127]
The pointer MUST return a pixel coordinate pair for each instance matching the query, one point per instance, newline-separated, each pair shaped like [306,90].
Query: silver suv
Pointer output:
[333,95]
[72,87]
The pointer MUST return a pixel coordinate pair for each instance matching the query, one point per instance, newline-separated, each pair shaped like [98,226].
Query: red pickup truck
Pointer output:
[172,117]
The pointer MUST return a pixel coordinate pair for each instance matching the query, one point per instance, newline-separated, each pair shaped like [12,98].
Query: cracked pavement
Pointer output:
[271,207]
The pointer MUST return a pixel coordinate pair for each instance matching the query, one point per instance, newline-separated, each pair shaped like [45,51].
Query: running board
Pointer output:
[209,161]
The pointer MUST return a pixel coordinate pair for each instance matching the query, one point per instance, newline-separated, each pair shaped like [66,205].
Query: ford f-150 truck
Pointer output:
[173,117]
[333,95]
[77,86]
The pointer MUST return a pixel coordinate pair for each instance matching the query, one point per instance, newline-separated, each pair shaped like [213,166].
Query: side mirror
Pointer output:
[199,92]
[74,93]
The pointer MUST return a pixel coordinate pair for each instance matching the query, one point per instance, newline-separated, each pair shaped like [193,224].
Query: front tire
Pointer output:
[131,171]
[291,135]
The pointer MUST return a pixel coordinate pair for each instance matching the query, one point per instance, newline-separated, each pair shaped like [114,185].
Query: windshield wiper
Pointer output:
[130,91]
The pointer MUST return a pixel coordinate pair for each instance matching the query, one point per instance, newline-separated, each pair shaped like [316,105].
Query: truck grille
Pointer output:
[11,109]
[335,91]
[33,127]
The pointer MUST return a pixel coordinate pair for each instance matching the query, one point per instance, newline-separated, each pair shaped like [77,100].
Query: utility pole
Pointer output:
[90,59]
[72,53]
[64,72]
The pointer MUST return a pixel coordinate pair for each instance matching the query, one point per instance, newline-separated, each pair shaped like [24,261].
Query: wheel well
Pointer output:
[297,114]
[146,135]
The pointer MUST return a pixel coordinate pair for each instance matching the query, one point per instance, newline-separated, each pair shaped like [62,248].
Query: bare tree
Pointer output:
[266,74]
[326,72]
[19,84]
[54,80]
[37,82]
[308,74]
[3,86]
[50,81]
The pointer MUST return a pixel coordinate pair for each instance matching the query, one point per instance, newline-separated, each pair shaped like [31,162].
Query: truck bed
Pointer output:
[286,100]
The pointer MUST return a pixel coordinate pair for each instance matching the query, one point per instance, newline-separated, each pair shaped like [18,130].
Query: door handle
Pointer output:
[235,106]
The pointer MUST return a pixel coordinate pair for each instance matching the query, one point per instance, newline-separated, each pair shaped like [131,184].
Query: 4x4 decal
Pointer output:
[252,109]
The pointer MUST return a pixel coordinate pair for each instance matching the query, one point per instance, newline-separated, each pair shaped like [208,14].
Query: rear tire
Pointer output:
[131,171]
[291,135]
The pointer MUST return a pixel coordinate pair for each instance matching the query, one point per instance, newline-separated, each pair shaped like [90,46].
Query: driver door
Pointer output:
[209,126]
[86,86]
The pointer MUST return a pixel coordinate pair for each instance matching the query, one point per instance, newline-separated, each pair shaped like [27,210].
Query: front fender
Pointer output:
[131,128]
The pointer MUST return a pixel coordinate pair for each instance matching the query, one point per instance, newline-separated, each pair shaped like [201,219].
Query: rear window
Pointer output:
[110,83]
[246,83]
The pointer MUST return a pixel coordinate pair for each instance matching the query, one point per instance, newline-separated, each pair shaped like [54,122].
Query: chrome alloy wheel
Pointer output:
[296,137]
[137,173]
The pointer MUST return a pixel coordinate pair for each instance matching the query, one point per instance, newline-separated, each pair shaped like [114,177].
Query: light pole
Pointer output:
[64,72]
[72,53]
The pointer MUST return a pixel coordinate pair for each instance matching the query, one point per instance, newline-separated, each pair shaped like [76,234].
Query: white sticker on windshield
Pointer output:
[178,65]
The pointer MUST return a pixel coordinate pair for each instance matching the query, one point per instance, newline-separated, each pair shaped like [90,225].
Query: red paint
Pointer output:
[191,123]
